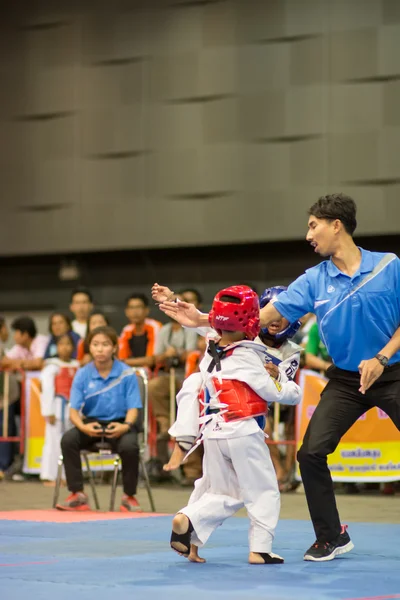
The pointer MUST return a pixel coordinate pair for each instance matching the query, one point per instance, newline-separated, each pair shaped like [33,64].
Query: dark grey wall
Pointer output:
[163,122]
[32,284]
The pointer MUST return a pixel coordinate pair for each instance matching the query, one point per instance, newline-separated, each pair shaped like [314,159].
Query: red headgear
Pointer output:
[239,313]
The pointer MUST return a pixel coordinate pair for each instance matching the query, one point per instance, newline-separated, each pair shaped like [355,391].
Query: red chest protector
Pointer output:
[242,402]
[63,381]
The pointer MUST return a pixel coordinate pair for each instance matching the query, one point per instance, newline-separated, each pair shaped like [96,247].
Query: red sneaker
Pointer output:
[129,504]
[75,501]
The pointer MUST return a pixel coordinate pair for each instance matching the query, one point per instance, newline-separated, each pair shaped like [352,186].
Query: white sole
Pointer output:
[337,552]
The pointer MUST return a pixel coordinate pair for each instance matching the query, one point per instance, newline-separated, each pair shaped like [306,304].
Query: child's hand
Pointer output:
[51,420]
[272,370]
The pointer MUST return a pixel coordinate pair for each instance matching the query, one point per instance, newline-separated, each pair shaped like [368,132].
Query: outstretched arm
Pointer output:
[186,314]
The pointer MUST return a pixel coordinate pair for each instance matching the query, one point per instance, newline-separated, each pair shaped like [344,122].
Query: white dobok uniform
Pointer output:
[237,468]
[56,380]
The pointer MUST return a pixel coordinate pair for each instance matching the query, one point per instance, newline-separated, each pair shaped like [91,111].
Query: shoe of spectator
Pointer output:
[15,468]
[323,551]
[2,475]
[18,477]
[129,504]
[75,501]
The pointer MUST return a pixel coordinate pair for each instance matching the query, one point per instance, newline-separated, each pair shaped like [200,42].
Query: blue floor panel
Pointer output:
[97,560]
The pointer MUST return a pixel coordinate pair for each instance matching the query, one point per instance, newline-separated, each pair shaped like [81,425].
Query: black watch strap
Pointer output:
[382,359]
[131,425]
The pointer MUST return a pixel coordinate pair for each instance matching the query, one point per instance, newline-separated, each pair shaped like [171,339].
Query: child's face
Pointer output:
[277,326]
[96,321]
[58,325]
[65,348]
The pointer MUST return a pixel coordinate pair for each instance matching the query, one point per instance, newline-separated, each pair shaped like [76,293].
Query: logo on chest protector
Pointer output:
[217,427]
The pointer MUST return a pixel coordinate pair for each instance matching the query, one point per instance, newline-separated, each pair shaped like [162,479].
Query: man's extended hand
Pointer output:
[186,314]
[161,293]
[115,430]
[370,370]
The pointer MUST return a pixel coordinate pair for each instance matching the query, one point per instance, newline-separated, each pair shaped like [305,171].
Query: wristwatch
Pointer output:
[131,425]
[382,359]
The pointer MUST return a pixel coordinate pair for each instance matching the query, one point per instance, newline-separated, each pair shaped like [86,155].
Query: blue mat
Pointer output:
[103,559]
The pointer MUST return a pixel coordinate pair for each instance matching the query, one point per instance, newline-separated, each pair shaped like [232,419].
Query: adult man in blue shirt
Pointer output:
[105,402]
[356,297]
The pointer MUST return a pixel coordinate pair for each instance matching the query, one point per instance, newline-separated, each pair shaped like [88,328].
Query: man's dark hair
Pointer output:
[141,297]
[82,290]
[336,206]
[195,293]
[25,325]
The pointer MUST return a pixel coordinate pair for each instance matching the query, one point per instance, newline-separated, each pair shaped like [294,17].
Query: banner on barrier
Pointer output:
[369,451]
[35,427]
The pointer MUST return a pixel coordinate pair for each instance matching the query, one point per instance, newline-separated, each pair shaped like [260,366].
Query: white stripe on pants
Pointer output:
[239,472]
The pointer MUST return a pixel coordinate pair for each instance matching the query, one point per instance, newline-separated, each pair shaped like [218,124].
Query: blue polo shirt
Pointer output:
[105,399]
[358,315]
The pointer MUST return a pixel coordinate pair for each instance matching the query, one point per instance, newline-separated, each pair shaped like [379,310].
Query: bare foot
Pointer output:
[194,555]
[265,558]
[176,459]
[180,525]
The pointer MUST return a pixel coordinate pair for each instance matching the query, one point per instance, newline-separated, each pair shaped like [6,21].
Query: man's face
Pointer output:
[321,235]
[191,298]
[136,311]
[4,333]
[81,306]
[22,338]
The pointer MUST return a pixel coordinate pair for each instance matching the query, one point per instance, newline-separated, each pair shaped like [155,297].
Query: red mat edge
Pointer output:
[58,516]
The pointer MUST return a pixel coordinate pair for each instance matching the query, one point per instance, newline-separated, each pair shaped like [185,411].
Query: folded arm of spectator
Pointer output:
[141,361]
[28,364]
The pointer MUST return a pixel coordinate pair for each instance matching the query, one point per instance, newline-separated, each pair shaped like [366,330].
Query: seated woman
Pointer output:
[96,319]
[105,402]
[60,324]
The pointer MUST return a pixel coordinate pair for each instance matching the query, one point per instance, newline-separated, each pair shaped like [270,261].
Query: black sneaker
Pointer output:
[321,551]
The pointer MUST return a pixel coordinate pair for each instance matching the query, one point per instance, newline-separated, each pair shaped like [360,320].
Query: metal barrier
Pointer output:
[6,409]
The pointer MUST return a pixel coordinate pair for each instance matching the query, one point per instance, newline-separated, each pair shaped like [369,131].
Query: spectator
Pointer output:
[138,339]
[81,306]
[317,357]
[193,466]
[59,325]
[193,296]
[3,335]
[174,343]
[29,348]
[105,402]
[96,319]
[56,379]
[193,358]
[7,448]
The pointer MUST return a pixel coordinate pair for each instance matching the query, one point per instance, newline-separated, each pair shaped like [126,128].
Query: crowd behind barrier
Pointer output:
[168,353]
